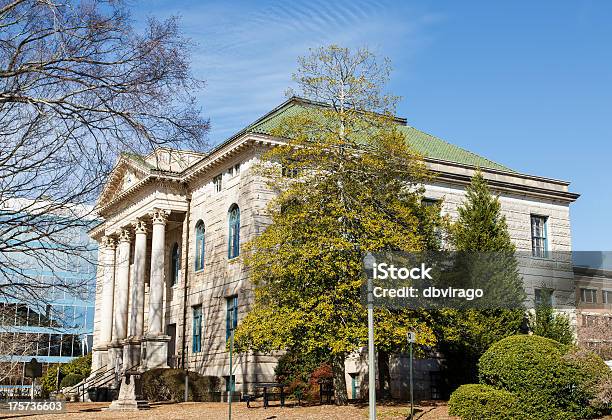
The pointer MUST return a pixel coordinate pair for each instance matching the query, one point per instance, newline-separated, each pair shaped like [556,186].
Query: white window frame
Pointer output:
[218,183]
[592,293]
[539,243]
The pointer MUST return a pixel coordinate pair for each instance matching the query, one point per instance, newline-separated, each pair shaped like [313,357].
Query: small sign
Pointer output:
[33,369]
[411,337]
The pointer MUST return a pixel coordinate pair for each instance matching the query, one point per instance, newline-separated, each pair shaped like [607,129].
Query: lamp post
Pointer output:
[369,262]
[411,340]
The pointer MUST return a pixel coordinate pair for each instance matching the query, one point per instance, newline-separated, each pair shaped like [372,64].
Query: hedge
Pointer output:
[169,385]
[477,402]
[551,380]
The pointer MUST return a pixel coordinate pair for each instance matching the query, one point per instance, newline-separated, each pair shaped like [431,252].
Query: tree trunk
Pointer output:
[384,376]
[340,395]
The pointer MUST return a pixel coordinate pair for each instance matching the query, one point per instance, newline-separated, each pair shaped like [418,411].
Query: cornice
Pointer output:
[443,171]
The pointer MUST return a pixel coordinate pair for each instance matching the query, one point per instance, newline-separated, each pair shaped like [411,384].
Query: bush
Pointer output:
[302,372]
[524,363]
[321,374]
[169,385]
[79,366]
[296,366]
[71,380]
[591,375]
[476,402]
[551,380]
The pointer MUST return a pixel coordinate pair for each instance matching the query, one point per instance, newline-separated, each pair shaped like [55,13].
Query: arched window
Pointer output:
[233,246]
[175,264]
[199,251]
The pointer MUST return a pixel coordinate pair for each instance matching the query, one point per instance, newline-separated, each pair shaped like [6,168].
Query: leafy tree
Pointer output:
[354,186]
[480,236]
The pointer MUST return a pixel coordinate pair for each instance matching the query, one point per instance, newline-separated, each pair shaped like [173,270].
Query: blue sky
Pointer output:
[527,84]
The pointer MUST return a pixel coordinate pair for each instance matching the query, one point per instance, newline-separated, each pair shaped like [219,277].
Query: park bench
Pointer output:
[264,390]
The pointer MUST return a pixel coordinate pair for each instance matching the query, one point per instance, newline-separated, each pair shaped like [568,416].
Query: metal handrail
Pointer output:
[91,374]
[101,380]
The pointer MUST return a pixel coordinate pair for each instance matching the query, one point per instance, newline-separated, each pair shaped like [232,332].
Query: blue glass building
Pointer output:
[58,327]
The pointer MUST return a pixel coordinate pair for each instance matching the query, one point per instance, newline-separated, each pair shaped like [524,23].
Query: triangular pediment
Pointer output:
[126,173]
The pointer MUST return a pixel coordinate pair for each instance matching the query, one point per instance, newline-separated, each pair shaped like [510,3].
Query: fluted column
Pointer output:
[156,289]
[122,286]
[108,289]
[138,284]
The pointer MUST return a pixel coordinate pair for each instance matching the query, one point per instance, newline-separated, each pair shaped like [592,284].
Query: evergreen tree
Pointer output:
[347,183]
[482,241]
[480,226]
[546,323]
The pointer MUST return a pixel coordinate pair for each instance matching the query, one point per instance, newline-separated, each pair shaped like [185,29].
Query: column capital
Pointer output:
[108,242]
[124,235]
[159,216]
[139,226]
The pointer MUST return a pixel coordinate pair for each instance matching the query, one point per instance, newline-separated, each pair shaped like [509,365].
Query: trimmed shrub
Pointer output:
[169,385]
[71,379]
[551,380]
[476,402]
[527,363]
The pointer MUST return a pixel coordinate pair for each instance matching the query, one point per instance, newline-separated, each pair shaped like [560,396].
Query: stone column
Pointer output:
[156,342]
[131,345]
[120,312]
[99,350]
[108,290]
[130,397]
[138,289]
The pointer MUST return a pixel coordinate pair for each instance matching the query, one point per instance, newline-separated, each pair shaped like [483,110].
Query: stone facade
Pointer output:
[152,205]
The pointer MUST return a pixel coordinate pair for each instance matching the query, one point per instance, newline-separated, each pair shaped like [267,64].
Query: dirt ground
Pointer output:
[214,411]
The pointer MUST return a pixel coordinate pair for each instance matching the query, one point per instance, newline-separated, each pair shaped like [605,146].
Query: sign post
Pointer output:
[33,369]
[411,340]
[369,262]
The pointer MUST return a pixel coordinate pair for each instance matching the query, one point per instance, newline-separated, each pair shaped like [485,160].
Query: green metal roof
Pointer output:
[426,144]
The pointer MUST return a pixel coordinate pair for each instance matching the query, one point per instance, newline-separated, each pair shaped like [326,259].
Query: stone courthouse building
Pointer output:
[170,282]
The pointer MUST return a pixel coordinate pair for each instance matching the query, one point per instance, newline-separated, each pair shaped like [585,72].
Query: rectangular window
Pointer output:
[55,345]
[230,385]
[43,345]
[588,295]
[234,170]
[231,316]
[197,329]
[539,241]
[67,345]
[543,297]
[428,202]
[355,386]
[607,296]
[218,182]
